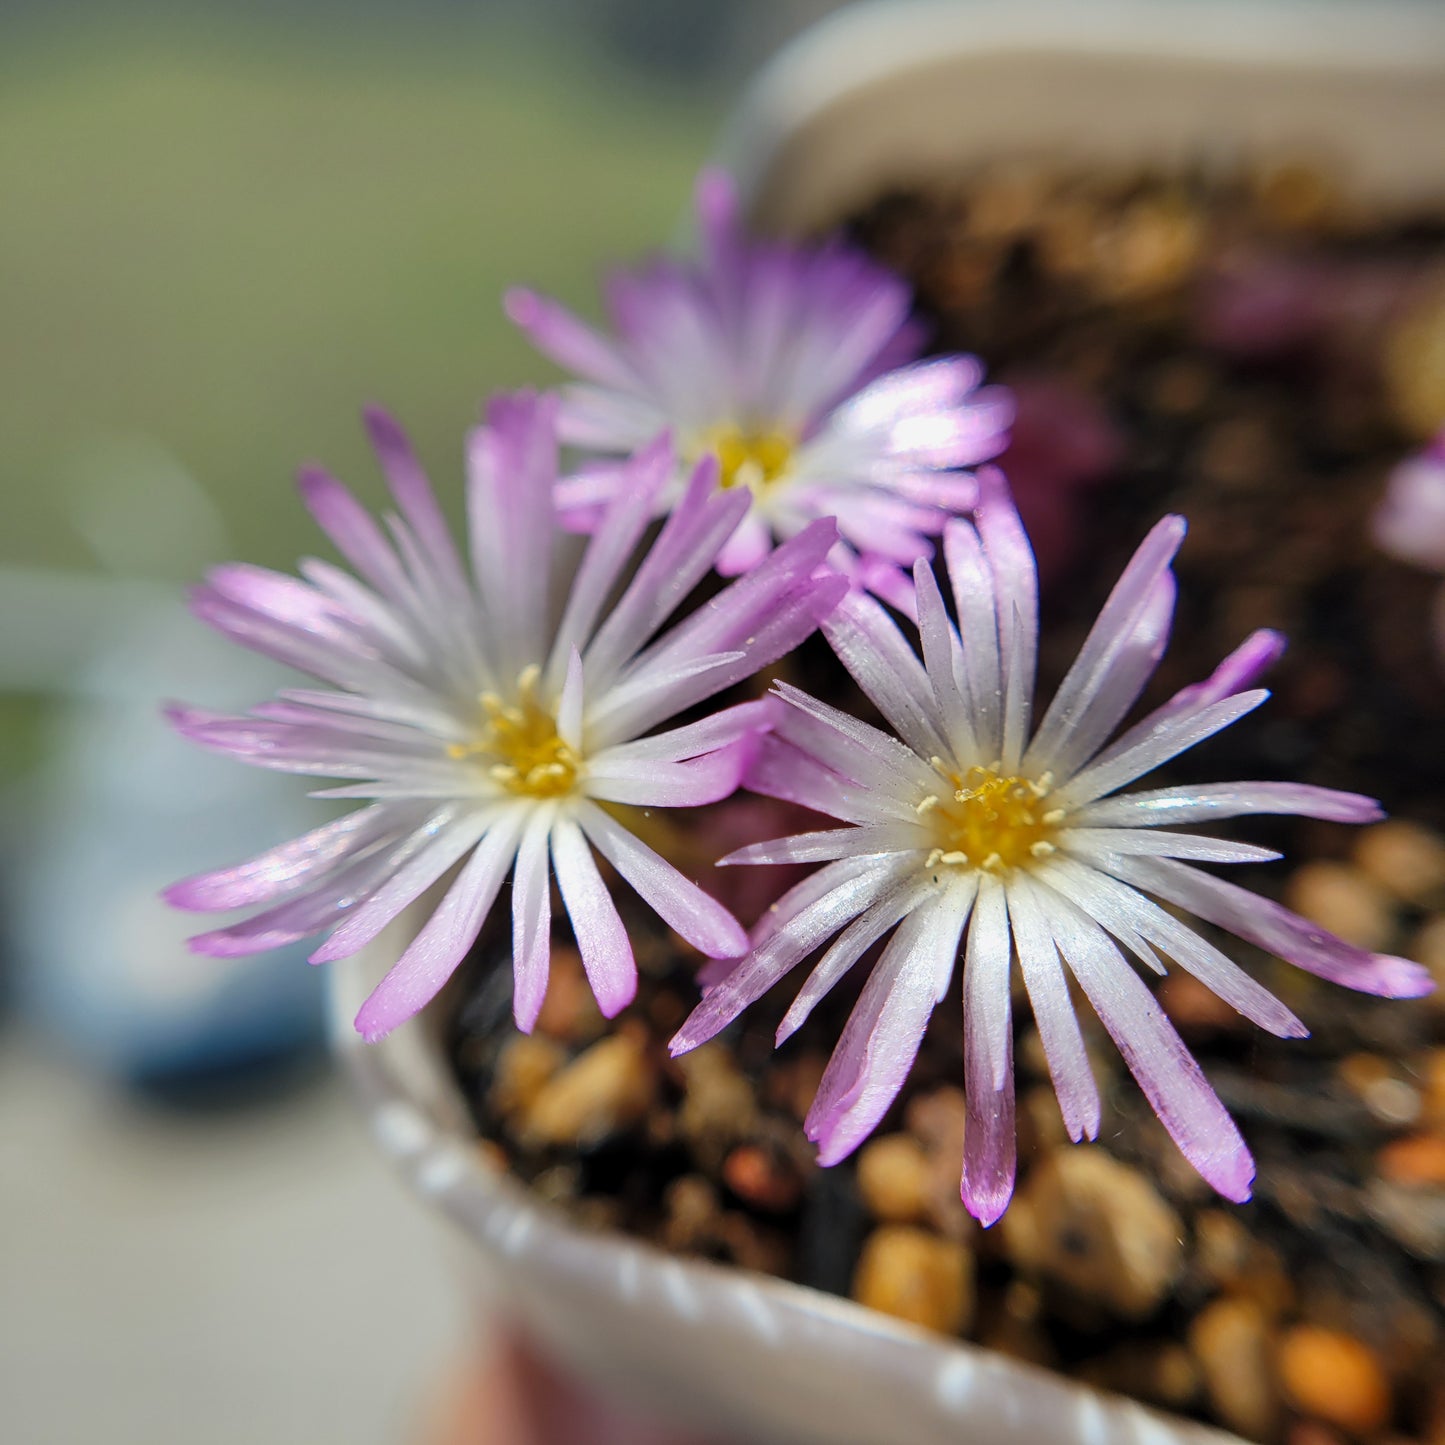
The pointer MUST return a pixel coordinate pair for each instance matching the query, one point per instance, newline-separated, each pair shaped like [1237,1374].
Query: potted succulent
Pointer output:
[536,716]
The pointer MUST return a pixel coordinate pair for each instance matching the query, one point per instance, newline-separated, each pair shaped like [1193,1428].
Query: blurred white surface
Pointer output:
[176,1278]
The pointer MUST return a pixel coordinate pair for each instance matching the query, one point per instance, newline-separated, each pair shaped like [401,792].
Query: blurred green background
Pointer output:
[222,234]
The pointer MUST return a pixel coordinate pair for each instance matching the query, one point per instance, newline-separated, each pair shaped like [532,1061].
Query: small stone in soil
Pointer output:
[1230,1339]
[524,1065]
[606,1089]
[914,1275]
[1345,900]
[1404,859]
[1417,1159]
[1227,1257]
[1098,1227]
[894,1179]
[1432,1079]
[719,1106]
[763,1177]
[690,1215]
[1335,1378]
[569,1010]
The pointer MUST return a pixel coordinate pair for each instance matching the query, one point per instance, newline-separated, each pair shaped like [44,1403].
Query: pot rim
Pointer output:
[835,65]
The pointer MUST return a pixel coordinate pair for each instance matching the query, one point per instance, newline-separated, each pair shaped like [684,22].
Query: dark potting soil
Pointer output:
[1256,351]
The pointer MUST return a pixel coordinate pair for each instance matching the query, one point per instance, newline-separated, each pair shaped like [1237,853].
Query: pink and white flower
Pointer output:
[485,713]
[974,833]
[787,363]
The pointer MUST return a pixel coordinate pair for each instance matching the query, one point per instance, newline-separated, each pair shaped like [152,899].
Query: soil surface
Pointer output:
[1255,350]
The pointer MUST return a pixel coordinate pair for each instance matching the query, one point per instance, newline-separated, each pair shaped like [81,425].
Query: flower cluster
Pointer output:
[760,415]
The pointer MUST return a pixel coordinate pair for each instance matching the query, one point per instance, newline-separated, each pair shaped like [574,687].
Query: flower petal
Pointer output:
[881,1039]
[531,919]
[1053,1010]
[1203,802]
[425,856]
[679,902]
[1275,929]
[601,938]
[814,911]
[418,975]
[1171,1080]
[989,1148]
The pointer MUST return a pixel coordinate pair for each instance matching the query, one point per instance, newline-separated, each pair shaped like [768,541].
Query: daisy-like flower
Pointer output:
[966,835]
[487,715]
[780,361]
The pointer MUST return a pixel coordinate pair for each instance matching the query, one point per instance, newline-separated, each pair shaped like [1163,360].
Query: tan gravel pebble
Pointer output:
[792,1085]
[937,1121]
[1097,1226]
[604,1090]
[719,1107]
[1196,1009]
[1375,1082]
[1344,900]
[1335,1378]
[1311,1432]
[1230,1341]
[914,1275]
[524,1065]
[569,1010]
[894,1179]
[1231,1259]
[1405,859]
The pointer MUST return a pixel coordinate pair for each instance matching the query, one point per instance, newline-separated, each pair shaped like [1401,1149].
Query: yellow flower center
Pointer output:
[519,744]
[990,820]
[751,459]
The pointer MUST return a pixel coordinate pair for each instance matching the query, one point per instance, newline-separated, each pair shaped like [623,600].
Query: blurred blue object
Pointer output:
[122,807]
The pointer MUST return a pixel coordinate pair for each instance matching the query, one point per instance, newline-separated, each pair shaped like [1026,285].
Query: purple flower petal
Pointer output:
[531,921]
[680,903]
[816,910]
[1134,621]
[1203,802]
[881,1039]
[601,937]
[1275,929]
[428,854]
[1053,1009]
[292,865]
[572,344]
[870,645]
[989,1152]
[1171,1080]
[433,956]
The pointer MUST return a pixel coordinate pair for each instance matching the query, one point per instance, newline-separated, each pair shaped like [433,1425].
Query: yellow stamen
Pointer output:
[519,745]
[989,820]
[749,458]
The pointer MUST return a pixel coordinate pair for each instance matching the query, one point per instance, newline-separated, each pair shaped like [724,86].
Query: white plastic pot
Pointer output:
[898,93]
